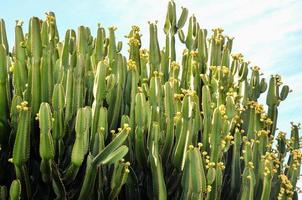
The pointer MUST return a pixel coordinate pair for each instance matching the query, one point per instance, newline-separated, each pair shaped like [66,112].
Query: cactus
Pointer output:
[81,120]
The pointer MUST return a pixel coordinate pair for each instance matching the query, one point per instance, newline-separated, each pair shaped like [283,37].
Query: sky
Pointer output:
[267,32]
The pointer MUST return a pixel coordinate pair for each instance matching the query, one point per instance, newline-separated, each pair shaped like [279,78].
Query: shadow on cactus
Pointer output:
[80,120]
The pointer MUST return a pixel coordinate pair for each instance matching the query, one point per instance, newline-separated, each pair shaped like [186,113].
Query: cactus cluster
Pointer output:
[80,120]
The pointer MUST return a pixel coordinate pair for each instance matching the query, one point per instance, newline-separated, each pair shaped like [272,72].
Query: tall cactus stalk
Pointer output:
[81,120]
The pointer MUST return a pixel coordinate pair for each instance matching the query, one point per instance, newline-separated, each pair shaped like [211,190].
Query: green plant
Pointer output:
[78,120]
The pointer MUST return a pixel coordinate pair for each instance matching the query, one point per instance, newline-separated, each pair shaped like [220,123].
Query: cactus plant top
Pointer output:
[80,120]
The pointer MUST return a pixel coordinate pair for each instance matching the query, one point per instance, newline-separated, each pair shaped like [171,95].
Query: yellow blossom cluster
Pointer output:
[256,68]
[286,189]
[237,56]
[271,163]
[23,106]
[281,135]
[296,158]
[135,29]
[194,53]
[217,37]
[174,65]
[133,41]
[131,65]
[144,54]
[50,18]
[262,133]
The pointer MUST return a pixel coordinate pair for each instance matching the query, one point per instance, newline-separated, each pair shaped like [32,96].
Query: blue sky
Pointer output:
[267,32]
